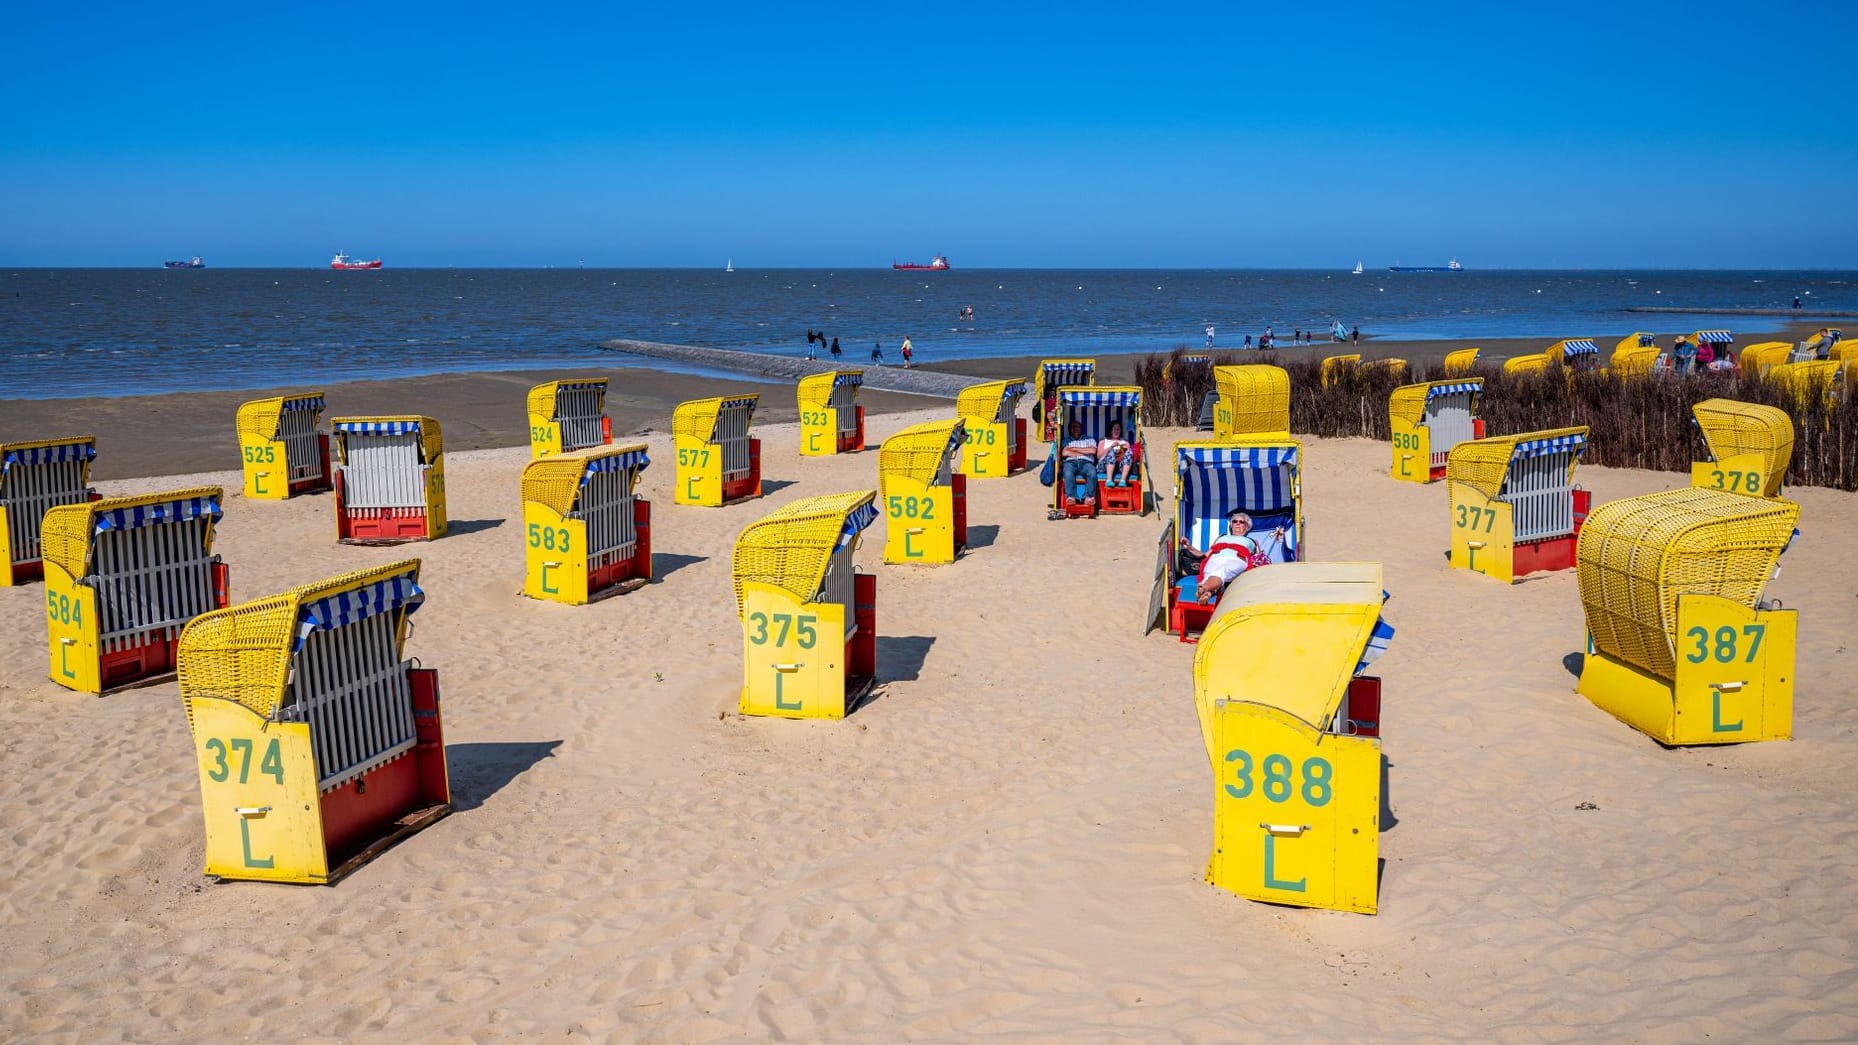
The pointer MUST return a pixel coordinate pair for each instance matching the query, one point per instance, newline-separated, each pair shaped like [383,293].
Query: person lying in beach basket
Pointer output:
[1239,506]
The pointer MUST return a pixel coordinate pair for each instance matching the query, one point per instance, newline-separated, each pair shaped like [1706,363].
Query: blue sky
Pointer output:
[1644,135]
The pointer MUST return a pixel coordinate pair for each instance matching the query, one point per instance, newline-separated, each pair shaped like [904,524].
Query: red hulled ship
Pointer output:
[938,263]
[343,262]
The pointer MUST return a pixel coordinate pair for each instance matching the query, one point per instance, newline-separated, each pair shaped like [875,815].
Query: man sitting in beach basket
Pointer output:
[1514,509]
[587,535]
[1427,420]
[1253,399]
[390,479]
[1291,724]
[318,742]
[36,477]
[1748,446]
[1054,374]
[831,421]
[1239,506]
[809,620]
[568,415]
[123,576]
[718,462]
[1109,416]
[1681,645]
[925,497]
[996,433]
[282,447]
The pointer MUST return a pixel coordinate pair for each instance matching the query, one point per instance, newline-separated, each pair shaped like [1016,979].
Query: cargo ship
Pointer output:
[342,261]
[191,263]
[936,264]
[1452,266]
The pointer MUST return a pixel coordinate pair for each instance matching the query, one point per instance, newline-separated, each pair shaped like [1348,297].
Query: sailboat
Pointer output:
[1358,269]
[729,266]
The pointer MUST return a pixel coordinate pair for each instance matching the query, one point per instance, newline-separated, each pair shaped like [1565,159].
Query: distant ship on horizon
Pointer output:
[191,263]
[343,263]
[939,263]
[1451,266]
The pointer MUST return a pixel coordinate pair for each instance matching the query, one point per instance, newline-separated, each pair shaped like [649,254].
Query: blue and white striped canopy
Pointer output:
[180,510]
[1096,397]
[1057,374]
[956,436]
[1579,347]
[292,406]
[855,522]
[1553,445]
[1216,481]
[1434,391]
[617,463]
[842,379]
[33,455]
[738,404]
[1377,645]
[1715,337]
[378,427]
[580,386]
[348,607]
[1013,390]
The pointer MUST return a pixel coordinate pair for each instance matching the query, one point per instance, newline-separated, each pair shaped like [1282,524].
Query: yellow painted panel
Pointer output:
[435,498]
[71,628]
[699,471]
[1734,672]
[1742,473]
[1296,816]
[1412,451]
[793,655]
[819,431]
[921,522]
[267,472]
[258,793]
[554,555]
[1483,533]
[989,449]
[544,436]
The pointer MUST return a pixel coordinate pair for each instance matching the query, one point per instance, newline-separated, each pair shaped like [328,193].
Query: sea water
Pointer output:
[78,332]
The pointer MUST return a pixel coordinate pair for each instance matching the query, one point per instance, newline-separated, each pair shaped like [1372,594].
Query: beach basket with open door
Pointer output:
[35,477]
[282,447]
[1681,645]
[1052,375]
[318,743]
[717,460]
[123,576]
[809,619]
[1096,408]
[925,496]
[831,421]
[1258,475]
[1292,726]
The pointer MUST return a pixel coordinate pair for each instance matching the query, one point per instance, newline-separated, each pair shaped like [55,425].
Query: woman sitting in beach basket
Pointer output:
[1233,553]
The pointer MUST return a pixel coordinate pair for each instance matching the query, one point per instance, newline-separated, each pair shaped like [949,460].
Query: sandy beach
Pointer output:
[1009,840]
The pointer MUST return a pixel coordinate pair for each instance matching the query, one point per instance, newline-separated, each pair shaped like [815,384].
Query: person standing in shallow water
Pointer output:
[835,349]
[877,352]
[908,353]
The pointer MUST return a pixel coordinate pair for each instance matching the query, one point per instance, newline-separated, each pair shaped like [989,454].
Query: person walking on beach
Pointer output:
[877,352]
[1209,335]
[835,349]
[1355,334]
[812,349]
[1248,341]
[1796,302]
[908,353]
